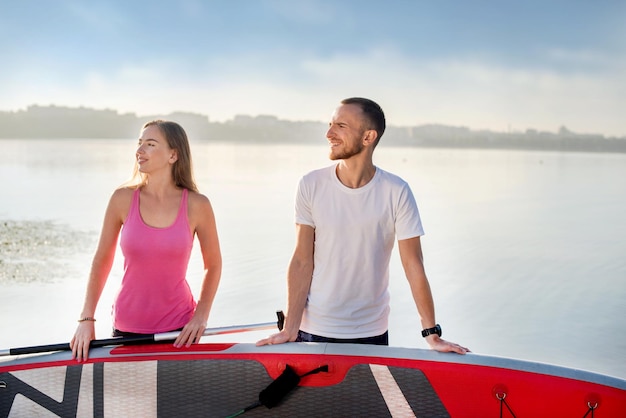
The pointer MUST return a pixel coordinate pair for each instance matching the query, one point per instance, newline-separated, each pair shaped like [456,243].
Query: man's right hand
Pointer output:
[278,338]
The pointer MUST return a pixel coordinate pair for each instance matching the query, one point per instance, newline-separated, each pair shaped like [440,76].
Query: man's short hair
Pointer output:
[372,111]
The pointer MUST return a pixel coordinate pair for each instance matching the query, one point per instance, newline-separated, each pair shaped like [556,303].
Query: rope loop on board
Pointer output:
[592,407]
[593,402]
[500,391]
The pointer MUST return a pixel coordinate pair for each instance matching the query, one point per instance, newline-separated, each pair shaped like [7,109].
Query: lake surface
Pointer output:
[525,251]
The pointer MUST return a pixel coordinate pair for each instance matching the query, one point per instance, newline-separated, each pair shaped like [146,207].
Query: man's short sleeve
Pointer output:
[408,221]
[304,215]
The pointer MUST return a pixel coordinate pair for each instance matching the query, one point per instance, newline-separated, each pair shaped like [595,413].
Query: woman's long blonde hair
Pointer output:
[182,169]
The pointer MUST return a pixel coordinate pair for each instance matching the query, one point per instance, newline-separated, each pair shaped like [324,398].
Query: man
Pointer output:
[347,218]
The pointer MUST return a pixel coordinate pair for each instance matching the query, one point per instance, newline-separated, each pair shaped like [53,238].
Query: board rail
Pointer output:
[460,386]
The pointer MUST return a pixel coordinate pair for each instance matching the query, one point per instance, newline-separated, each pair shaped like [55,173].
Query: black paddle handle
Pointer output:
[39,349]
[281,320]
[141,339]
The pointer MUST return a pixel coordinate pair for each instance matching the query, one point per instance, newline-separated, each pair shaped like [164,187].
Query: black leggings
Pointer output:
[382,339]
[118,333]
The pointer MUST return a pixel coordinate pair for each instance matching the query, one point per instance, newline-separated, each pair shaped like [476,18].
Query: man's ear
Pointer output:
[370,136]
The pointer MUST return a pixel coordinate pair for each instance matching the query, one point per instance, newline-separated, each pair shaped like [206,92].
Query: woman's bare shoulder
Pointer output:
[123,193]
[198,199]
[199,207]
[120,201]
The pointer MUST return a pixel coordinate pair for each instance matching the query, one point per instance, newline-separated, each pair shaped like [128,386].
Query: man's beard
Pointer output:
[346,153]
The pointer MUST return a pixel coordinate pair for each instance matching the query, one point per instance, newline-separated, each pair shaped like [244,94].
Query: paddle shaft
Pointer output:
[143,339]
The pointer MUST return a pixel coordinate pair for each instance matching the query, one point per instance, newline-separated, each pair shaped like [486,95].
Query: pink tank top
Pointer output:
[154,295]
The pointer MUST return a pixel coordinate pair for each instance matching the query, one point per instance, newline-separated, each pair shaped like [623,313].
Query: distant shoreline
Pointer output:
[56,122]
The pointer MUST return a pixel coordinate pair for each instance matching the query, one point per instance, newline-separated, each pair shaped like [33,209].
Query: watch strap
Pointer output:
[429,331]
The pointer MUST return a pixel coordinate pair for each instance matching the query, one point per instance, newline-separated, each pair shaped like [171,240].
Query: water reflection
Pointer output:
[40,251]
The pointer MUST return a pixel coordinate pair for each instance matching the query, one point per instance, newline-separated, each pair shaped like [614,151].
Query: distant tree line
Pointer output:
[65,122]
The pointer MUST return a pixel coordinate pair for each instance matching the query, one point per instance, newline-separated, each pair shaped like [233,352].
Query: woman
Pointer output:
[158,213]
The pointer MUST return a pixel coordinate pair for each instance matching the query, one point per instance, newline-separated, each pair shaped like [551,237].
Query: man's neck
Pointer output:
[355,173]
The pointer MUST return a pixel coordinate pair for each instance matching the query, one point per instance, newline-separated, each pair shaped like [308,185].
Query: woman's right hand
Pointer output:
[85,333]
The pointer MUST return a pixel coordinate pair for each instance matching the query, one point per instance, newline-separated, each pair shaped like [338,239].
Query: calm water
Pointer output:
[525,251]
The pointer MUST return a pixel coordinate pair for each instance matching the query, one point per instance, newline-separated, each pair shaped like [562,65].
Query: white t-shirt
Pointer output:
[355,231]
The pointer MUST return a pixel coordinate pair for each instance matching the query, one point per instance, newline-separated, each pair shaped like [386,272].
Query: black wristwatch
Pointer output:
[434,330]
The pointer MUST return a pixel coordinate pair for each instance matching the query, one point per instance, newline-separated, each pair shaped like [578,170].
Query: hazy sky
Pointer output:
[482,64]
